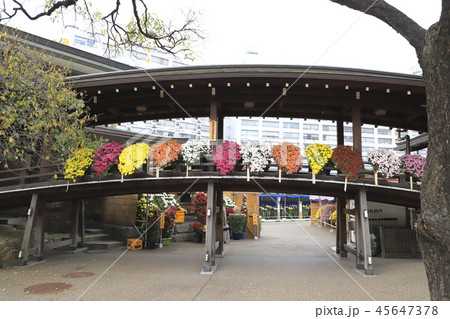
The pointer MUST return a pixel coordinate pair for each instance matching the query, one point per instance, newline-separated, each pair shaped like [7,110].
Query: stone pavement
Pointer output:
[291,261]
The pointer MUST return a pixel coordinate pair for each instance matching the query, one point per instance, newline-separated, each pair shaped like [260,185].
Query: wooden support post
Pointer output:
[364,253]
[25,249]
[210,229]
[356,120]
[341,236]
[340,132]
[81,224]
[220,221]
[39,227]
[75,217]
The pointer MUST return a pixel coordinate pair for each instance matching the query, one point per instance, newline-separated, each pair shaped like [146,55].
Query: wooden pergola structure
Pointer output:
[340,95]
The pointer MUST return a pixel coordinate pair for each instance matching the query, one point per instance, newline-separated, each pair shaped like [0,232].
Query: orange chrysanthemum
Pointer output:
[164,153]
[288,157]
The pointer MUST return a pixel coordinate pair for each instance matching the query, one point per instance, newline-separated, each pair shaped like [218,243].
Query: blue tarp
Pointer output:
[287,196]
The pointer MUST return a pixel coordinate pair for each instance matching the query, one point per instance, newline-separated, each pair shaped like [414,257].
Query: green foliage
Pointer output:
[237,223]
[40,115]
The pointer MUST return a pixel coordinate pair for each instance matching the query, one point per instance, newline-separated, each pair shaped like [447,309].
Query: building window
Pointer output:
[291,125]
[367,139]
[80,40]
[205,128]
[158,60]
[311,127]
[313,137]
[187,126]
[367,130]
[249,122]
[330,138]
[270,134]
[367,149]
[290,135]
[270,124]
[384,131]
[168,123]
[384,140]
[348,139]
[348,129]
[249,133]
[140,56]
[329,128]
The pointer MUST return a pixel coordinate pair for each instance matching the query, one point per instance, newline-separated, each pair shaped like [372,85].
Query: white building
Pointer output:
[303,132]
[155,58]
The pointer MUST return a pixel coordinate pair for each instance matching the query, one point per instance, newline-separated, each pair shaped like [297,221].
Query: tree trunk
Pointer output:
[434,220]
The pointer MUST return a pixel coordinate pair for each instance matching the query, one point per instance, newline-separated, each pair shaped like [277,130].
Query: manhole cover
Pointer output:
[47,288]
[79,274]
[99,251]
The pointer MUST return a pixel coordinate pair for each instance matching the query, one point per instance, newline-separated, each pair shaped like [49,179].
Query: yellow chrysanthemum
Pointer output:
[318,155]
[77,165]
[132,158]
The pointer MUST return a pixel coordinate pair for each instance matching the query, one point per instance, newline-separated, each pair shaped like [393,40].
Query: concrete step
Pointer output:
[104,244]
[183,228]
[93,231]
[183,237]
[96,237]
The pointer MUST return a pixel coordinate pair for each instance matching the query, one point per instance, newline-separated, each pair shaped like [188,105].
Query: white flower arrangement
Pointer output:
[384,161]
[163,200]
[228,202]
[256,156]
[193,150]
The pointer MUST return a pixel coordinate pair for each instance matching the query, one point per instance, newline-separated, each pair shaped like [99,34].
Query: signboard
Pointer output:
[255,219]
[161,221]
[213,130]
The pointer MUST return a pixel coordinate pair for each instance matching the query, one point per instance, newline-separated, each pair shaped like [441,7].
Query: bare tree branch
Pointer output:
[393,17]
[57,5]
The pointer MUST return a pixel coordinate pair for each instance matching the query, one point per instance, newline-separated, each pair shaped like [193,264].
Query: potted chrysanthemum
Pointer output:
[414,165]
[77,165]
[348,161]
[288,158]
[192,151]
[318,156]
[164,153]
[255,157]
[385,162]
[226,156]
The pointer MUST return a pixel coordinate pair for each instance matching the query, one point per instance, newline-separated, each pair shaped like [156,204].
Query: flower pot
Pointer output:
[197,238]
[238,236]
[166,241]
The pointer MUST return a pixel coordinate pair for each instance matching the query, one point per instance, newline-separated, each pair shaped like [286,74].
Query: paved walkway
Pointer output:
[291,261]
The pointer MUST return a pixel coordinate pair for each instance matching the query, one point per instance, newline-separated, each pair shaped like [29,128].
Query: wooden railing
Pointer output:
[53,174]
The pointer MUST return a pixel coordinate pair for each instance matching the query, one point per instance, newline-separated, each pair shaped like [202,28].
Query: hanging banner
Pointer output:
[213,130]
[255,219]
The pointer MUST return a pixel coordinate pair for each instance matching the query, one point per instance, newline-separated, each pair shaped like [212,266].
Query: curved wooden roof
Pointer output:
[386,99]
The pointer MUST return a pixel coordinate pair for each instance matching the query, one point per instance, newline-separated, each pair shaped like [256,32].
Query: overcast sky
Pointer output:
[300,32]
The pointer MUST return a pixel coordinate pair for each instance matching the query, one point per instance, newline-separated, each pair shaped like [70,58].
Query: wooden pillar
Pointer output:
[340,132]
[39,227]
[356,120]
[220,122]
[220,222]
[74,220]
[341,234]
[81,224]
[363,251]
[210,229]
[25,249]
